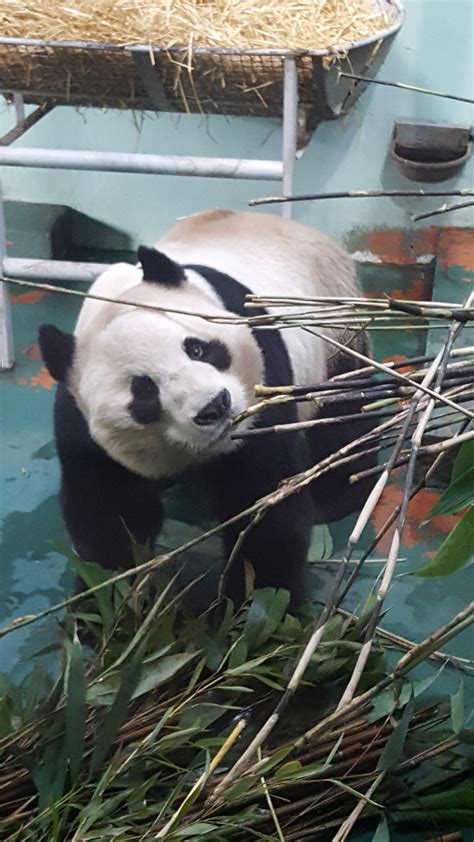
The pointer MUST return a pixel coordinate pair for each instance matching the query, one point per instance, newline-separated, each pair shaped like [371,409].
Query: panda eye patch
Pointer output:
[145,407]
[194,348]
[144,388]
[214,353]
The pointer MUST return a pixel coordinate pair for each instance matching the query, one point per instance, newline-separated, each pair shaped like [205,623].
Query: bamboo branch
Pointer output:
[349,823]
[405,87]
[443,209]
[435,372]
[361,194]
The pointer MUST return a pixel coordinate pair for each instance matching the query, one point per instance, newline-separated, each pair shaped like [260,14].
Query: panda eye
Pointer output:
[144,388]
[194,348]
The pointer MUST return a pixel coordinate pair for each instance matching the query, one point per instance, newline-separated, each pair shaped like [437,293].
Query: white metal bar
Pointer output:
[290,129]
[7,349]
[75,159]
[20,112]
[52,270]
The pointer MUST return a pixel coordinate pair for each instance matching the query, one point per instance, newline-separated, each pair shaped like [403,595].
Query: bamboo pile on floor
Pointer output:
[169,727]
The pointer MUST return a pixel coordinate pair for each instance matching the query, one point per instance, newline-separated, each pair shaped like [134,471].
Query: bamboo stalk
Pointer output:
[405,87]
[435,372]
[443,209]
[361,194]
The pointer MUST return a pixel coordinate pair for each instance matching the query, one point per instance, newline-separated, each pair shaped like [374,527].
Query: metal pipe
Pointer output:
[75,159]
[7,348]
[290,129]
[20,112]
[51,270]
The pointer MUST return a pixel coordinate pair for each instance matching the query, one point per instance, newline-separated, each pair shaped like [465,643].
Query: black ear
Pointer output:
[160,269]
[57,350]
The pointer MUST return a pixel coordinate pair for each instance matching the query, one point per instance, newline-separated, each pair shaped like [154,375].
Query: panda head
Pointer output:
[157,389]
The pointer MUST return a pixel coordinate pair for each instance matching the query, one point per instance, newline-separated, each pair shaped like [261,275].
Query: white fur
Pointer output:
[271,256]
[116,342]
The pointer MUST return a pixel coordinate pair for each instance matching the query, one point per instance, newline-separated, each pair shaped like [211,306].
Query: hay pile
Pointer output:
[280,24]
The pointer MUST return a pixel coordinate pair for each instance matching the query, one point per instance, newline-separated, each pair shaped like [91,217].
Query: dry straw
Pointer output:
[279,24]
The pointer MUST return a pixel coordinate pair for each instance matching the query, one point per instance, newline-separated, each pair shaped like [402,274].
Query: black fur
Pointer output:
[158,268]
[106,508]
[57,349]
[214,353]
[278,546]
[145,407]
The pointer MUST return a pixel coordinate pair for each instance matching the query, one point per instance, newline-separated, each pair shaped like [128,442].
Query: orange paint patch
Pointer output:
[388,245]
[398,358]
[43,379]
[28,297]
[419,290]
[33,352]
[418,510]
[403,248]
[424,241]
[456,248]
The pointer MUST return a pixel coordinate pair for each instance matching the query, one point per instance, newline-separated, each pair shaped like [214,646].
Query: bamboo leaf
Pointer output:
[75,708]
[92,574]
[455,552]
[197,829]
[351,791]
[457,496]
[457,709]
[117,713]
[288,770]
[239,654]
[463,461]
[395,744]
[264,615]
[382,834]
[153,675]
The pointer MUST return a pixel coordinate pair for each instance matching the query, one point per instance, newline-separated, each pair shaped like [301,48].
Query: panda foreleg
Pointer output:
[107,509]
[277,546]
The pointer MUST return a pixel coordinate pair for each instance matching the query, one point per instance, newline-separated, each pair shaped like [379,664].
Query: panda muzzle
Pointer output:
[215,411]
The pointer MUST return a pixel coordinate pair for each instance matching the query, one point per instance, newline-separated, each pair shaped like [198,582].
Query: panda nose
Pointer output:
[214,411]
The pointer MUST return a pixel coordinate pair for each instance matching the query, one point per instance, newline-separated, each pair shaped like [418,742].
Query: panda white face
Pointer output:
[159,391]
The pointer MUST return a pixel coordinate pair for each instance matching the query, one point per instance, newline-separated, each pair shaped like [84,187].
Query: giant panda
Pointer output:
[144,394]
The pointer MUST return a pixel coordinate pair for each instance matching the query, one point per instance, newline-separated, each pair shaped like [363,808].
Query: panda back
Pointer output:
[113,283]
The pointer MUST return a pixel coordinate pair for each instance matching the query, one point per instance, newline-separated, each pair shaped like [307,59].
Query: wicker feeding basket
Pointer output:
[208,80]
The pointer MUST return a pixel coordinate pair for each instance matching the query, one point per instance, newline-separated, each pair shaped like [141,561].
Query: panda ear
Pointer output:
[57,349]
[160,269]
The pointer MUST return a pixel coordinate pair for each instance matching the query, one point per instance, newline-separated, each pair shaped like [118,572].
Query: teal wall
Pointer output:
[434,49]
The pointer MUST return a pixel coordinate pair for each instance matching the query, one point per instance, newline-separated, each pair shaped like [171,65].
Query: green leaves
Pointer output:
[464,460]
[395,744]
[117,713]
[264,616]
[457,496]
[180,685]
[75,692]
[458,548]
[456,551]
[457,709]
[382,834]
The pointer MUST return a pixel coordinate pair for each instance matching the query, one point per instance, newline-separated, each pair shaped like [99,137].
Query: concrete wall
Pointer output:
[434,49]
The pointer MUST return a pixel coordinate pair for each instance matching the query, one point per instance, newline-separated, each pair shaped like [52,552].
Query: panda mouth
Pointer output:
[222,431]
